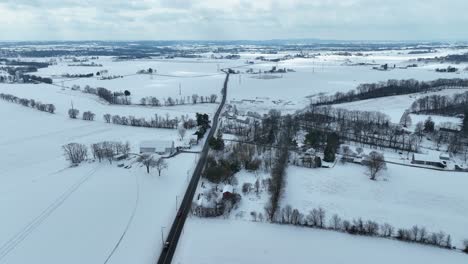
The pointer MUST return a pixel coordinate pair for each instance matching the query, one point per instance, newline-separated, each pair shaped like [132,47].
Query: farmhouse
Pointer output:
[432,159]
[160,147]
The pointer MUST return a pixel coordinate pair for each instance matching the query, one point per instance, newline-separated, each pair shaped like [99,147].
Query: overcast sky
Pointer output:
[233,19]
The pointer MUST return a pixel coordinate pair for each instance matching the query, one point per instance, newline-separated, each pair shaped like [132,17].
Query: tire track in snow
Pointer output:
[21,235]
[130,220]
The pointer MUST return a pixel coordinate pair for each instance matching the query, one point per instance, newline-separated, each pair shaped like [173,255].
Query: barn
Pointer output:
[160,147]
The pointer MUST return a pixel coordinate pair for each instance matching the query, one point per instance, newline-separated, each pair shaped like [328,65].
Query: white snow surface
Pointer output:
[209,241]
[57,214]
[402,196]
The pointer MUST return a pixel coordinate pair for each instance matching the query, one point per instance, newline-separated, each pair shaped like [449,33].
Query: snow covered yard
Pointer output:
[210,241]
[57,214]
[402,196]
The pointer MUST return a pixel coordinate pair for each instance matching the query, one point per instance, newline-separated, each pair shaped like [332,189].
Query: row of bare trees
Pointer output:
[369,128]
[389,88]
[50,108]
[155,122]
[441,104]
[316,218]
[109,149]
[169,101]
[88,115]
[77,153]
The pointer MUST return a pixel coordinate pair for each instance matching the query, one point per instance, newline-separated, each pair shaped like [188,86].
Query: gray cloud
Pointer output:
[232,19]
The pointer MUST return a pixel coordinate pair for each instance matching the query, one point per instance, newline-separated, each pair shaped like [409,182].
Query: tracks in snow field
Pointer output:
[21,235]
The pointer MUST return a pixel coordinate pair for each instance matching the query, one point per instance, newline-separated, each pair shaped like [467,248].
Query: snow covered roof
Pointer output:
[444,156]
[228,188]
[157,144]
[430,157]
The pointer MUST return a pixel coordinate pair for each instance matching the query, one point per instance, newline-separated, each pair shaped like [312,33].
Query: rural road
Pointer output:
[178,225]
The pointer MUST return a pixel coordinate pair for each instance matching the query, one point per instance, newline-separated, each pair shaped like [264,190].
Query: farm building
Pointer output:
[160,147]
[432,159]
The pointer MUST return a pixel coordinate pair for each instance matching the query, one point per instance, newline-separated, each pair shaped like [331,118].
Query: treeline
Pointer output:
[77,153]
[119,98]
[169,101]
[316,218]
[389,88]
[50,108]
[27,63]
[441,104]
[35,79]
[155,122]
[83,75]
[369,128]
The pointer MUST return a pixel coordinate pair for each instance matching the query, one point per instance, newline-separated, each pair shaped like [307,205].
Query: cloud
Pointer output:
[232,19]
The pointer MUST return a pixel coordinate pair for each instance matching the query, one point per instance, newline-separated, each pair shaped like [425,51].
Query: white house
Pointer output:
[160,147]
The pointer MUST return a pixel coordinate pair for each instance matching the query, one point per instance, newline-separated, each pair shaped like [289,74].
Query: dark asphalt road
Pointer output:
[176,229]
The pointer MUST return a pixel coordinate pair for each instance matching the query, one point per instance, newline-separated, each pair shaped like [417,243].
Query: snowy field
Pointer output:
[58,214]
[324,74]
[209,241]
[62,99]
[395,106]
[402,196]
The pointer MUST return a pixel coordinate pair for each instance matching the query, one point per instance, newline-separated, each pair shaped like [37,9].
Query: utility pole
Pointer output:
[162,235]
[180,89]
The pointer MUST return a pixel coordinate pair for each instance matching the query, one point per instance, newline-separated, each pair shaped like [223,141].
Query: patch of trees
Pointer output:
[83,75]
[221,170]
[107,150]
[390,88]
[89,116]
[448,69]
[203,123]
[155,122]
[217,143]
[169,101]
[441,104]
[50,108]
[119,98]
[35,79]
[278,172]
[150,162]
[453,58]
[316,218]
[370,128]
[27,63]
[75,152]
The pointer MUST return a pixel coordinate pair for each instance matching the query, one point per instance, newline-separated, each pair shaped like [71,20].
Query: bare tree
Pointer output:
[182,131]
[75,152]
[335,222]
[195,98]
[405,120]
[160,165]
[387,230]
[148,161]
[73,113]
[107,118]
[375,163]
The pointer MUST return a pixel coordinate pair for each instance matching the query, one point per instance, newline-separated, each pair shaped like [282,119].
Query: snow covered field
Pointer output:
[58,214]
[395,106]
[402,196]
[324,74]
[207,241]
